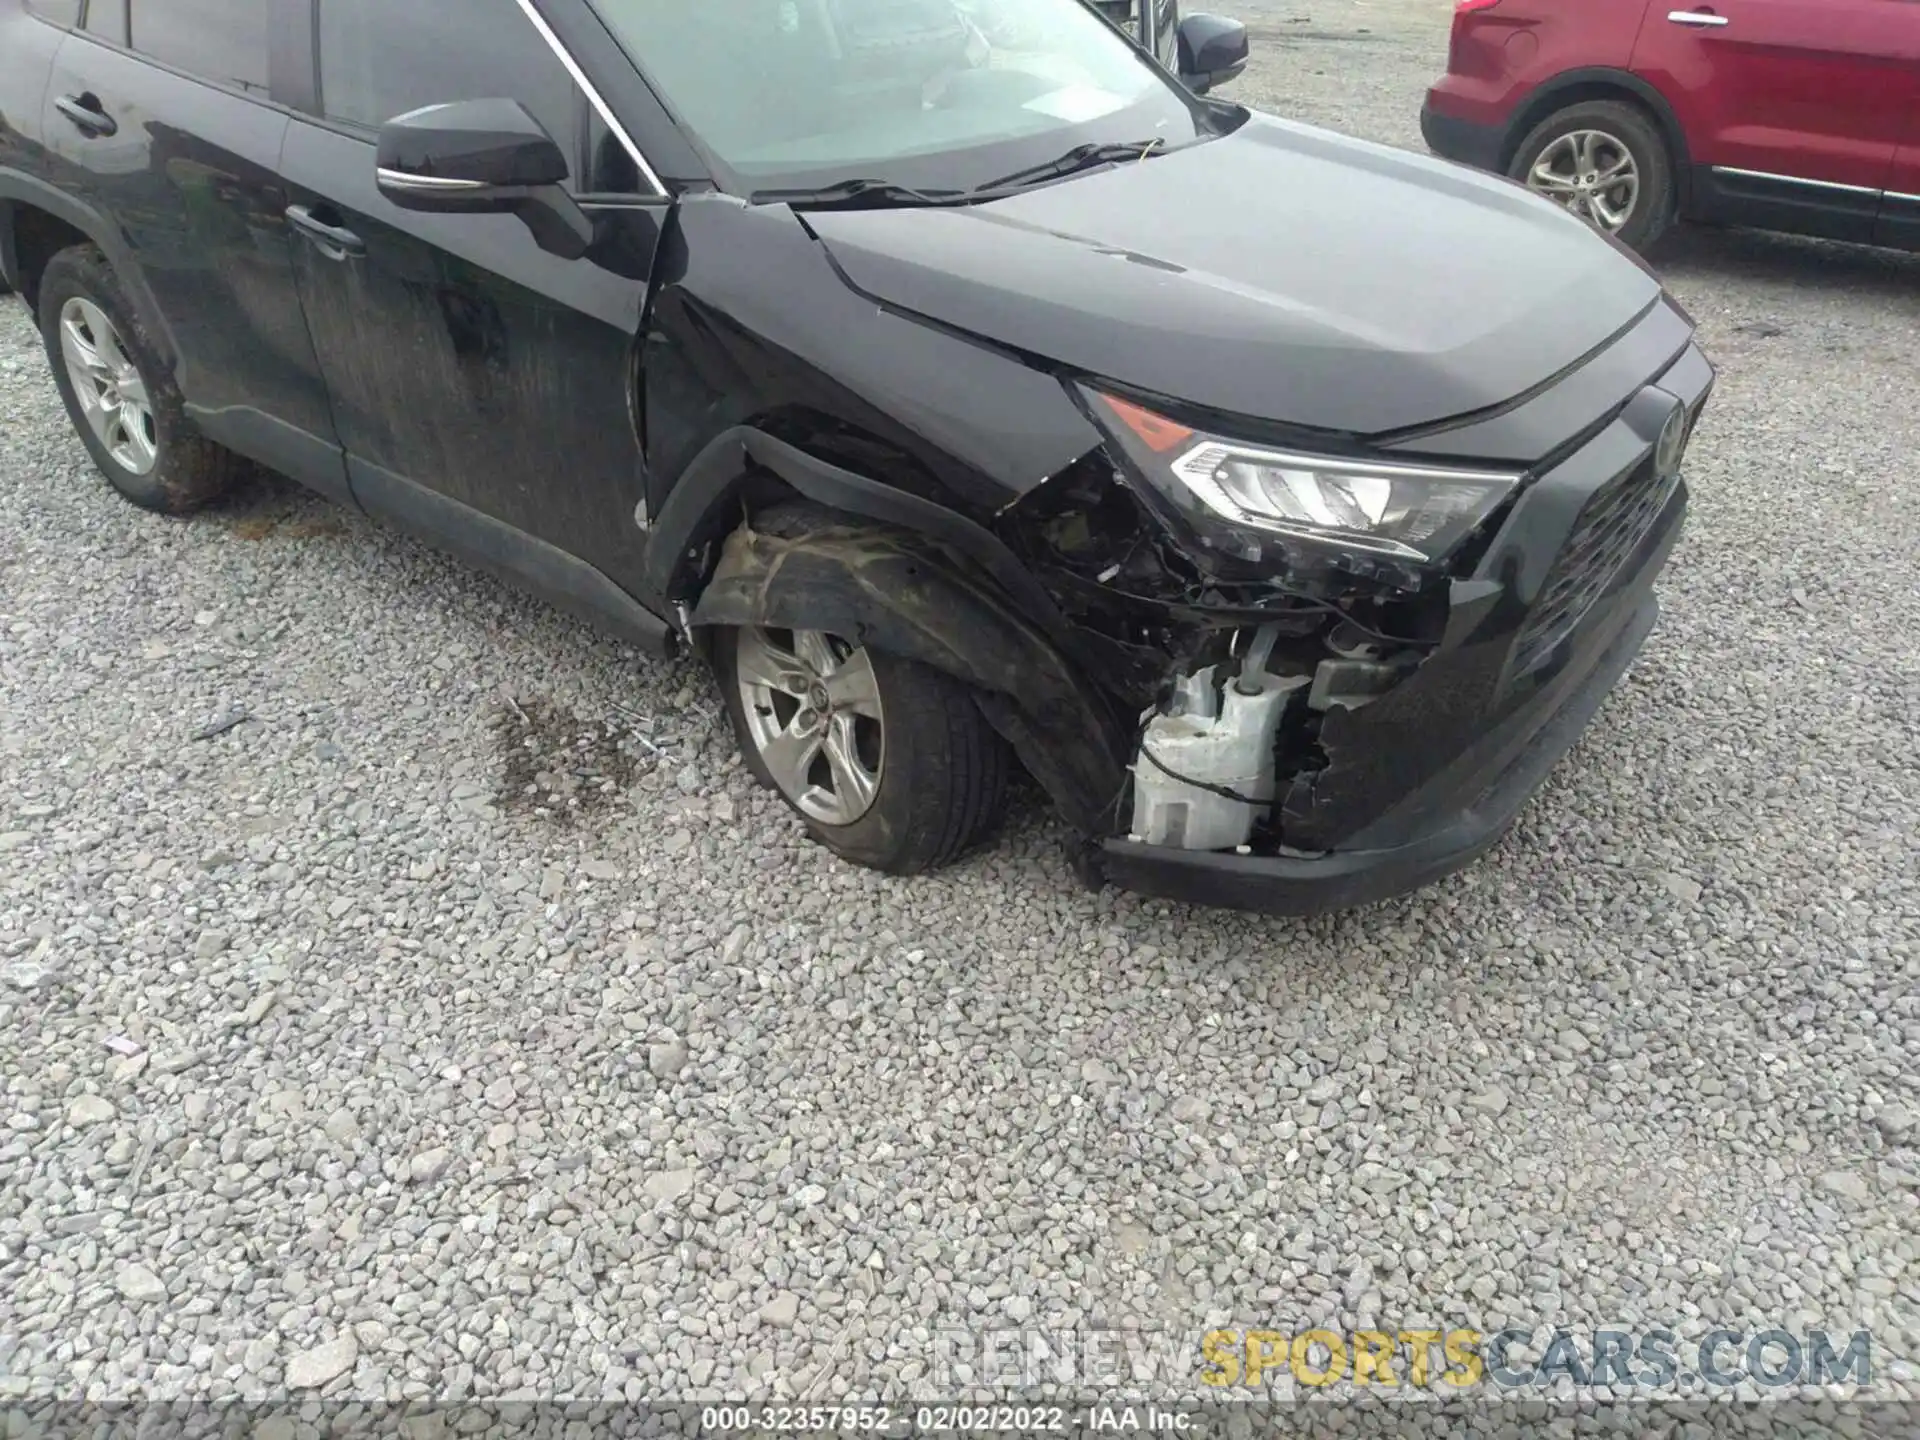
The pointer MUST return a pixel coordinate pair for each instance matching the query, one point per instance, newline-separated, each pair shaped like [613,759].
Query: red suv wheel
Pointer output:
[1604,160]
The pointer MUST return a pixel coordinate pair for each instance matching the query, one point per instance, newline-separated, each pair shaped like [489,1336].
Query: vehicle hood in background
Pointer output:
[1281,272]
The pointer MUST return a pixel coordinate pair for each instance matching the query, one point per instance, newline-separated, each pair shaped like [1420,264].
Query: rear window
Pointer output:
[107,19]
[60,12]
[224,41]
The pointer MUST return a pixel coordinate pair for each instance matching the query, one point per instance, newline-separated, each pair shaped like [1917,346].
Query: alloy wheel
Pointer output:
[812,705]
[108,385]
[1591,173]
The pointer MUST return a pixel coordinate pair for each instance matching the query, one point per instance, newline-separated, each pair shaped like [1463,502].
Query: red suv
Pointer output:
[1796,115]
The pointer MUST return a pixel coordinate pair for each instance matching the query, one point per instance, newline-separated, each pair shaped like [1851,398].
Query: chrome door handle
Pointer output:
[333,241]
[87,115]
[1696,17]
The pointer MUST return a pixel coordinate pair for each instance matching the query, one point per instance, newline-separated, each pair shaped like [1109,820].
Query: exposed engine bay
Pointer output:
[1235,676]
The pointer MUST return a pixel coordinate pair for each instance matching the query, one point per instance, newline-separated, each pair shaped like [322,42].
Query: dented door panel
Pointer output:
[463,358]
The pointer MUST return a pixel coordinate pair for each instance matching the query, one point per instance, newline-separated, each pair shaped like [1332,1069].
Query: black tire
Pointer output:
[188,469]
[1634,131]
[943,782]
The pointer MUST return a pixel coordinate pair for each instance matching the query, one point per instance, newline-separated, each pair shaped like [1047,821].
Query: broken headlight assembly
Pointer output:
[1383,519]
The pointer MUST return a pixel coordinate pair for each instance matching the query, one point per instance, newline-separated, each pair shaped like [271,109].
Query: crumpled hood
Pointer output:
[1281,272]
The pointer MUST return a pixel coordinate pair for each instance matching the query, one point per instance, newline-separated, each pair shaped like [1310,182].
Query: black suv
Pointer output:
[964,385]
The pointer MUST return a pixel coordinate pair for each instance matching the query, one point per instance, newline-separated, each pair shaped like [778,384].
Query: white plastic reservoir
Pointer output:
[1220,736]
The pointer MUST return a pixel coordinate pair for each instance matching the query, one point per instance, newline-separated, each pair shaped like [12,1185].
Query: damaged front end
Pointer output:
[1233,667]
[1325,652]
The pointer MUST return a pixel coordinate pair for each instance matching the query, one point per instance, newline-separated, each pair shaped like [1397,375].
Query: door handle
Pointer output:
[87,114]
[1700,18]
[333,241]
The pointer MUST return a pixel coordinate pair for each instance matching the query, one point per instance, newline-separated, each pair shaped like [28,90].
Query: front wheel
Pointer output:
[889,762]
[1605,161]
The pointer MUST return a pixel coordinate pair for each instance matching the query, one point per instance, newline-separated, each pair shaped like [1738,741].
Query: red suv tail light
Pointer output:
[1464,12]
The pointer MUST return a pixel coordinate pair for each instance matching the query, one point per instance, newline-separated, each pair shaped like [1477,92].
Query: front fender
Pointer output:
[897,593]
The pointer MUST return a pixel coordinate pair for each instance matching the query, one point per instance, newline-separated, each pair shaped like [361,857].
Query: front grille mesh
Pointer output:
[1607,533]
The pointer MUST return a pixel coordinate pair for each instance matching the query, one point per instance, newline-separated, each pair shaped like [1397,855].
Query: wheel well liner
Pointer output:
[1603,83]
[898,592]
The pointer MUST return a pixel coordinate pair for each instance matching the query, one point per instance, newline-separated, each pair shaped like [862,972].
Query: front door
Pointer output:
[481,386]
[1792,108]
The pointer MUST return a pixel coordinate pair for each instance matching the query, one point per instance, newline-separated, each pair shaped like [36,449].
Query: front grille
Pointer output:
[1607,533]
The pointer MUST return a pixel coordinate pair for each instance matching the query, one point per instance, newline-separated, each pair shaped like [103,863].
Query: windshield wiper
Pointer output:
[856,192]
[1081,157]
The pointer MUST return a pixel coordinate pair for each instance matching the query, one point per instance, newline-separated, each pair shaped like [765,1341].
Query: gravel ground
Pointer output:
[464,1023]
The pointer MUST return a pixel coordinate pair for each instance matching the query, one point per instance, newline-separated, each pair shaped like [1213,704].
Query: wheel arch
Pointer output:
[744,469]
[1598,82]
[882,567]
[38,221]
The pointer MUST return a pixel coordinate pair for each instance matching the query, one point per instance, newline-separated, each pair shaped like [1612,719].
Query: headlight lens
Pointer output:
[1412,513]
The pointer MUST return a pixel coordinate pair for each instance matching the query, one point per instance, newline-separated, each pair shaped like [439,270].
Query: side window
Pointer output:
[59,12]
[224,41]
[610,167]
[379,59]
[107,20]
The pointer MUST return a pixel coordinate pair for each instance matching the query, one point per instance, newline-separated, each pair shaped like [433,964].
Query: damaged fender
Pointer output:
[899,594]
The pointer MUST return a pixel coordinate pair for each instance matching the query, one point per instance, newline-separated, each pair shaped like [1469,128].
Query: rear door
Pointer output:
[481,385]
[1792,108]
[160,116]
[30,36]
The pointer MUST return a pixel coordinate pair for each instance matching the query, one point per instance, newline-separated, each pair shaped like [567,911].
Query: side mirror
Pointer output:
[1213,50]
[483,157]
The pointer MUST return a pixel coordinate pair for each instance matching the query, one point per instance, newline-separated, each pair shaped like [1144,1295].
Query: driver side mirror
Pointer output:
[1213,50]
[483,157]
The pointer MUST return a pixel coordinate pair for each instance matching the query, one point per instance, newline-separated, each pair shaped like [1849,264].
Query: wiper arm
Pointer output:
[857,192]
[1081,157]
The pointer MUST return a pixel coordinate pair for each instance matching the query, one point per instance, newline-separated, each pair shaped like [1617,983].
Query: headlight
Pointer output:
[1412,513]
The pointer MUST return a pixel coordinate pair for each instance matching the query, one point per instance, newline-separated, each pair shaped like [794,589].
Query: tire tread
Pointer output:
[944,787]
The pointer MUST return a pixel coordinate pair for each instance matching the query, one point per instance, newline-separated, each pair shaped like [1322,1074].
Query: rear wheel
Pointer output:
[889,762]
[120,395]
[1606,161]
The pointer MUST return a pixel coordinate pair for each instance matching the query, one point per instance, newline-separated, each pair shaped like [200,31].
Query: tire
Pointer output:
[940,769]
[151,454]
[1621,131]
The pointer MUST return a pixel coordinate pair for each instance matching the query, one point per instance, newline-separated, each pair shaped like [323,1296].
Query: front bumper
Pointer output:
[1423,780]
[1342,879]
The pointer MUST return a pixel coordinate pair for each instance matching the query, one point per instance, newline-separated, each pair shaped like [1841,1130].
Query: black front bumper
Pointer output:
[1423,780]
[1465,141]
[1342,879]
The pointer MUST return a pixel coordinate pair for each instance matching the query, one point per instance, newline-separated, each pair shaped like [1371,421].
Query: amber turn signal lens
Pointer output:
[1156,432]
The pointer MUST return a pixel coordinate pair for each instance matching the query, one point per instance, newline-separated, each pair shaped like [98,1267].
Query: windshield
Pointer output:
[926,93]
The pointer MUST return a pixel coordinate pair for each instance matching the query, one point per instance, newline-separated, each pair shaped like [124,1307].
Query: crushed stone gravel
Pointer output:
[466,1024]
